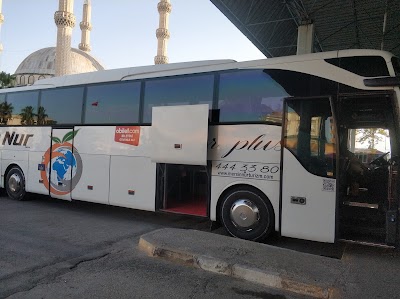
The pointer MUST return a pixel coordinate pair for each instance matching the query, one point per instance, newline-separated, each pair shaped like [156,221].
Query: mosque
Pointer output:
[64,59]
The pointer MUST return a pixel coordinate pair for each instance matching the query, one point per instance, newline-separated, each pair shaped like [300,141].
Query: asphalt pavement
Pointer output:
[56,249]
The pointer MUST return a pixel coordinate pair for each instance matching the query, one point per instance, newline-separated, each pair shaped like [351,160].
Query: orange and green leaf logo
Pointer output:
[67,137]
[62,165]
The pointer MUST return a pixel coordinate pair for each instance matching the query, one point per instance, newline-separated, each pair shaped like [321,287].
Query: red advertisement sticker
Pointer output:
[127,134]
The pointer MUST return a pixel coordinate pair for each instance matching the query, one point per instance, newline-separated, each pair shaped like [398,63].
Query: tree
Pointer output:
[372,136]
[41,116]
[6,80]
[27,116]
[6,110]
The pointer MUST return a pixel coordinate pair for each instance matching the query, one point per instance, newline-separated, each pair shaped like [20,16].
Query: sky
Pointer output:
[123,33]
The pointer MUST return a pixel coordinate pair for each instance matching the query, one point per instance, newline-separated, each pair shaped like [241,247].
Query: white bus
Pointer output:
[260,146]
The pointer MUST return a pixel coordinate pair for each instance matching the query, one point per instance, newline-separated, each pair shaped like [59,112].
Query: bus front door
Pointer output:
[63,163]
[308,184]
[369,167]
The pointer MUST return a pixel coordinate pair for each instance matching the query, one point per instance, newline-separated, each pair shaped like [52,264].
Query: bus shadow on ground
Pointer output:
[113,213]
[88,209]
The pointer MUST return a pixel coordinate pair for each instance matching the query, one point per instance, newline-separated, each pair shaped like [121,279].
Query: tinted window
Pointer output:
[61,106]
[303,85]
[113,103]
[366,66]
[310,135]
[3,119]
[250,96]
[4,107]
[177,91]
[396,65]
[22,107]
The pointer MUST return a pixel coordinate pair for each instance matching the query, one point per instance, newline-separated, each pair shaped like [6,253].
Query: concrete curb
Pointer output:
[269,279]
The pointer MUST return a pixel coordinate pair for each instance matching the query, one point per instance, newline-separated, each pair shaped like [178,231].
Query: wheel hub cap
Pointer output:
[244,214]
[14,183]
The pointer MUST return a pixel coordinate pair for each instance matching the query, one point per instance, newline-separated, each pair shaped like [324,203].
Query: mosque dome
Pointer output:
[41,64]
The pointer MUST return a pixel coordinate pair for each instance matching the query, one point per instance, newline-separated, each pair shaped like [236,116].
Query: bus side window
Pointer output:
[113,103]
[250,95]
[22,108]
[62,105]
[182,90]
[4,115]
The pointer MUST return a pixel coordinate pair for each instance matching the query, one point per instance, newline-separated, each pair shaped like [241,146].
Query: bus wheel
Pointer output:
[246,215]
[15,183]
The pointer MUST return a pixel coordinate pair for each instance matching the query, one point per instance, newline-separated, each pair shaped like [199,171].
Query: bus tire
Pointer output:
[15,183]
[247,215]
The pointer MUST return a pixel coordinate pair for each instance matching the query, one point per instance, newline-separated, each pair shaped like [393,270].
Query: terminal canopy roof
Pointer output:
[338,24]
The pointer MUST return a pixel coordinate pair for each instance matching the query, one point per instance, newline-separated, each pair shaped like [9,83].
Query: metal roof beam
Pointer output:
[270,25]
[270,22]
[384,24]
[395,47]
[248,13]
[321,7]
[356,22]
[282,47]
[297,7]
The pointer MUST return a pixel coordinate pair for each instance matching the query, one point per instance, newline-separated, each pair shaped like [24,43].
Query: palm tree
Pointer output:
[27,116]
[6,110]
[41,116]
[6,80]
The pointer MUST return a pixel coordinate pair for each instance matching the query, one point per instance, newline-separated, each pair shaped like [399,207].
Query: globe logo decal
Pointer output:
[63,165]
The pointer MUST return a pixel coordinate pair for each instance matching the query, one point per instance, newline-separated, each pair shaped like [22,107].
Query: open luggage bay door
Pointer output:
[179,134]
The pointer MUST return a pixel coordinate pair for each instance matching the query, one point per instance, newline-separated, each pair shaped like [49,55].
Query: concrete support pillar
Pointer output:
[305,39]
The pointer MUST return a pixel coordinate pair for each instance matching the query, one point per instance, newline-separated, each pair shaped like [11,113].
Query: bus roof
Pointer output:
[173,69]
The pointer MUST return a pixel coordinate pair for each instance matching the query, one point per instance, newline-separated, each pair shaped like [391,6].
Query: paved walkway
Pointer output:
[271,266]
[362,272]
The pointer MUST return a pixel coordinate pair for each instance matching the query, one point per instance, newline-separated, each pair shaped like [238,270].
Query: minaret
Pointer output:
[162,33]
[65,21]
[85,26]
[1,22]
